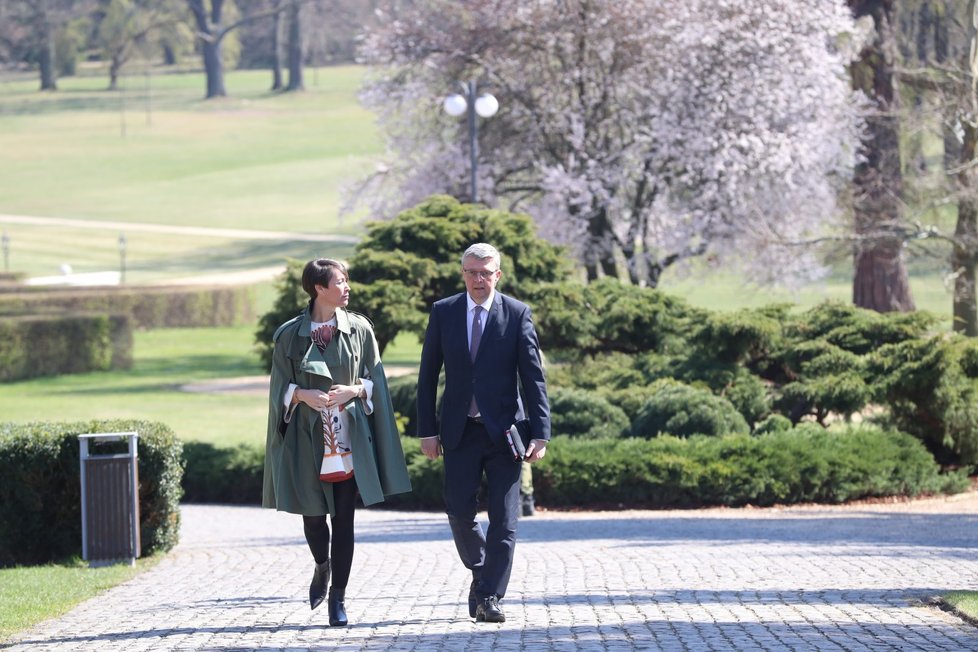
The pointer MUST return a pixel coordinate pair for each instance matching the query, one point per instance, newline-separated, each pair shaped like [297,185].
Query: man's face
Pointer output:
[480,276]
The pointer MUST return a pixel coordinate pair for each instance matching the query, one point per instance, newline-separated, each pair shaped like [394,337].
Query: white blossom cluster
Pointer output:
[649,132]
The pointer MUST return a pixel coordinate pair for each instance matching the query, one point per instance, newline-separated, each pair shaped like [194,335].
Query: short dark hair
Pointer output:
[320,272]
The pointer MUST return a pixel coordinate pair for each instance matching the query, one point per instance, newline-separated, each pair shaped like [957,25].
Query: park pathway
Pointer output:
[805,578]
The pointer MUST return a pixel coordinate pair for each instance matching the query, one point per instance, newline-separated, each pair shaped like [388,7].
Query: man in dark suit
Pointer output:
[489,348]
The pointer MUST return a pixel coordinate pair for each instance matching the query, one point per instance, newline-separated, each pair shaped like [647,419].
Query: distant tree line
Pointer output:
[282,35]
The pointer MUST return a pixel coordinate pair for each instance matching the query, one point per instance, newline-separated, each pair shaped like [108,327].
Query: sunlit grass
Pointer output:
[165,362]
[30,594]
[163,155]
[965,602]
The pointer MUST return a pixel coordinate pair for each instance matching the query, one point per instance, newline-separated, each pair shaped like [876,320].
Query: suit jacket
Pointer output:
[507,365]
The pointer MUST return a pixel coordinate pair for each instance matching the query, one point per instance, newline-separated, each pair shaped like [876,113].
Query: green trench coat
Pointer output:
[292,459]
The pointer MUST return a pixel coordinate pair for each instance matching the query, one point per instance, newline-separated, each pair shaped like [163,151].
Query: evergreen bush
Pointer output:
[582,413]
[806,464]
[931,389]
[223,474]
[679,409]
[40,488]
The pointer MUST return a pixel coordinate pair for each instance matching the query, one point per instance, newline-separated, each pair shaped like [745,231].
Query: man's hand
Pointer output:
[536,450]
[431,447]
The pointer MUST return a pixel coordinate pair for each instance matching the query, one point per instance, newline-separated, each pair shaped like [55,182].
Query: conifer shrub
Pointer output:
[583,413]
[931,389]
[682,410]
[806,464]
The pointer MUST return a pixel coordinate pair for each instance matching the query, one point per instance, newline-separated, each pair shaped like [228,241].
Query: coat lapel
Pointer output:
[311,360]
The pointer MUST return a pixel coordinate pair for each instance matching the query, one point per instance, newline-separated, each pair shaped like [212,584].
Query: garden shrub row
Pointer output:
[703,369]
[148,307]
[807,463]
[48,345]
[40,488]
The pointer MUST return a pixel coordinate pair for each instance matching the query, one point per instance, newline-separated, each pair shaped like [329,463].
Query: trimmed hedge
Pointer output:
[806,464]
[785,465]
[48,345]
[149,307]
[223,475]
[40,488]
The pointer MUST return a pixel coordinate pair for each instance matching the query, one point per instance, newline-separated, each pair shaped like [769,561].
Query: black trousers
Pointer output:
[488,555]
[316,529]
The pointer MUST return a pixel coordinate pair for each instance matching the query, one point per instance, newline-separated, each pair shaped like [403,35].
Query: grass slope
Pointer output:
[255,160]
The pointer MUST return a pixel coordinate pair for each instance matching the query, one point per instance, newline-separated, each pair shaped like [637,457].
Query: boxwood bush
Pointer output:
[40,488]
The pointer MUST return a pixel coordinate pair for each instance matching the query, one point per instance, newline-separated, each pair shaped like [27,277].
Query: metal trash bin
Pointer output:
[109,501]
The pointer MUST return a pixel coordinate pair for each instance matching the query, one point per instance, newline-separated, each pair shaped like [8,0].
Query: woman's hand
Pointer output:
[315,398]
[342,394]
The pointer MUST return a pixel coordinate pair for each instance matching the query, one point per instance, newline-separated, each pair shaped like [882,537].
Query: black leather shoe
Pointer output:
[473,599]
[320,580]
[488,611]
[337,607]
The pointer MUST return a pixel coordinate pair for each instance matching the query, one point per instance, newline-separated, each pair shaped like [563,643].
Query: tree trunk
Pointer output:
[277,47]
[880,282]
[295,47]
[46,58]
[600,253]
[169,55]
[214,69]
[114,66]
[964,256]
[210,33]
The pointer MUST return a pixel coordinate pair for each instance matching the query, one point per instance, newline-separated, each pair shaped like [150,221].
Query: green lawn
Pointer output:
[727,291]
[165,361]
[964,602]
[256,160]
[29,595]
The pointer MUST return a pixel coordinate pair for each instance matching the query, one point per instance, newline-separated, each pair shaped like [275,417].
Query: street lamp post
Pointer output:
[122,258]
[471,103]
[6,251]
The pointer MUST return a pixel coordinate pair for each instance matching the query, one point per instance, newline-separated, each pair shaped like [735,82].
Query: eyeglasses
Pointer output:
[484,275]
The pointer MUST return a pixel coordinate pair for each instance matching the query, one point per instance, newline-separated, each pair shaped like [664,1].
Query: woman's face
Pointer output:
[337,294]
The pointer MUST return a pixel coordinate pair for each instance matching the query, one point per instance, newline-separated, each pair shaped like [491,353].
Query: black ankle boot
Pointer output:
[320,580]
[337,608]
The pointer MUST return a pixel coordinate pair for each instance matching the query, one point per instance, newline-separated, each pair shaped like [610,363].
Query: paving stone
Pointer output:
[803,578]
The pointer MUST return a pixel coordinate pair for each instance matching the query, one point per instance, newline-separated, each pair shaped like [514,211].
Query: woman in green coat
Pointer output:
[331,429]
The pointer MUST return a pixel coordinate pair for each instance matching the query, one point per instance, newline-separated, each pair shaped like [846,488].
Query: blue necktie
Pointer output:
[474,349]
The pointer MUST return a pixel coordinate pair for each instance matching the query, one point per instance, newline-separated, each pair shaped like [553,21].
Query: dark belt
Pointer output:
[474,419]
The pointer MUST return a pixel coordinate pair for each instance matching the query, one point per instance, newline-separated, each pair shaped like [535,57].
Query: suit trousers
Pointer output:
[488,555]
